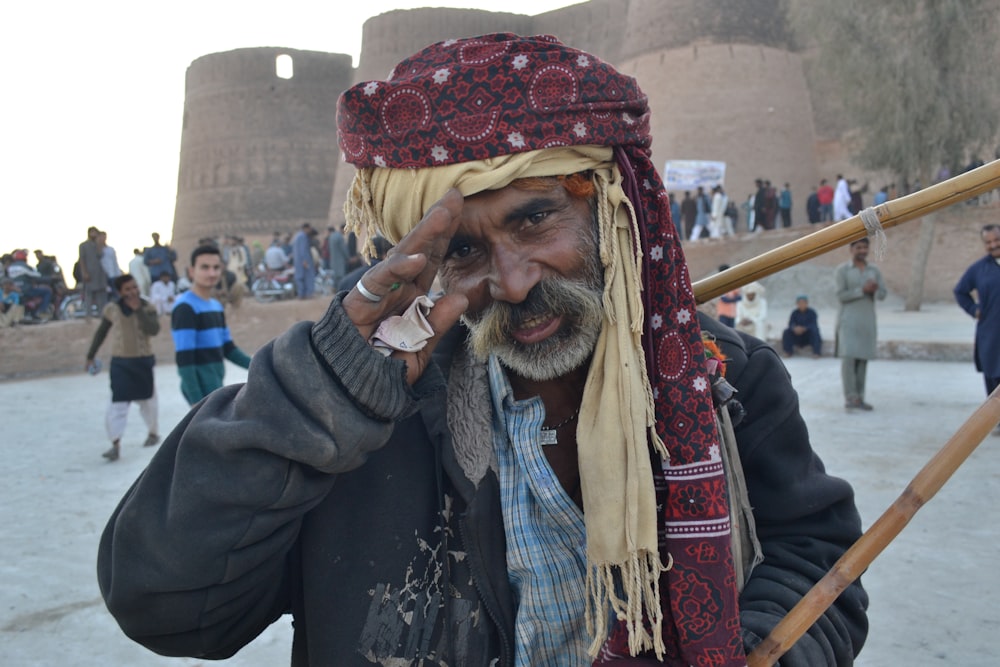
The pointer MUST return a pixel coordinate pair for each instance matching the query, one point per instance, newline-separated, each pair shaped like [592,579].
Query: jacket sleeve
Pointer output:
[195,560]
[805,518]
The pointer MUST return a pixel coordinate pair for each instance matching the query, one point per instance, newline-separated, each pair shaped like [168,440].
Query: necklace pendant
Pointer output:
[548,437]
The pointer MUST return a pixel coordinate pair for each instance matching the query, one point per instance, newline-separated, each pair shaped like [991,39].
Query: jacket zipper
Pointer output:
[505,647]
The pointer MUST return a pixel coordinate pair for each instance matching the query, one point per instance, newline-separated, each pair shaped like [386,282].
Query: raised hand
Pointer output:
[406,273]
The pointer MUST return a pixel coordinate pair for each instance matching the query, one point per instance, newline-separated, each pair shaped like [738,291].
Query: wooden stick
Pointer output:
[890,214]
[854,561]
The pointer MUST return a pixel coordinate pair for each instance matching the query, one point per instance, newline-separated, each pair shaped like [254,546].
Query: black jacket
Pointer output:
[328,488]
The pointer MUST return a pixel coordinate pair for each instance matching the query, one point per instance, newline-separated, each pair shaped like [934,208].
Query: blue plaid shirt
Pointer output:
[546,541]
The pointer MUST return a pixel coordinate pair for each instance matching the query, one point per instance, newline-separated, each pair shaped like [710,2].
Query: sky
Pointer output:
[93,95]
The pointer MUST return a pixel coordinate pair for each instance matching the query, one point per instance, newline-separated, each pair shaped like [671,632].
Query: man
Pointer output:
[11,310]
[785,206]
[813,208]
[160,258]
[719,225]
[140,272]
[305,266]
[201,337]
[336,245]
[31,284]
[109,258]
[803,329]
[983,277]
[402,507]
[93,279]
[751,311]
[135,322]
[858,284]
[689,213]
[703,211]
[275,259]
[842,200]
[825,196]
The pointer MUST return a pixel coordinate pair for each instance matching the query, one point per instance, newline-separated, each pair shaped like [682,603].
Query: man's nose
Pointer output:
[512,275]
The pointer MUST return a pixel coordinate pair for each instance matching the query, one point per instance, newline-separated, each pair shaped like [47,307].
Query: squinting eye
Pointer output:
[459,251]
[536,218]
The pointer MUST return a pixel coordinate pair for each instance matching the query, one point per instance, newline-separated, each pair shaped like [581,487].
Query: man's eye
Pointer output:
[535,218]
[459,251]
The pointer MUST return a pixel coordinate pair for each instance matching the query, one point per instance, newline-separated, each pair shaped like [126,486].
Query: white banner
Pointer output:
[689,174]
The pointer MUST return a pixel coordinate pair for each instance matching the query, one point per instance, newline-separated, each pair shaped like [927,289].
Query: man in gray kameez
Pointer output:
[859,283]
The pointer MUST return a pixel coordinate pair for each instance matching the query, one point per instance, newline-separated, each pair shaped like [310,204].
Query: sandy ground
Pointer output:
[933,590]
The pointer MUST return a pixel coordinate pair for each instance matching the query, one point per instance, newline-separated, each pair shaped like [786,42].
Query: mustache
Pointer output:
[578,299]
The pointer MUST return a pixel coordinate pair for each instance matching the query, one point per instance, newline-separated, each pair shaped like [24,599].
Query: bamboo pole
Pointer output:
[890,214]
[854,561]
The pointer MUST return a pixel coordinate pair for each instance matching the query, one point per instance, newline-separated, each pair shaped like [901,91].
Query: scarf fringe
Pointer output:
[639,609]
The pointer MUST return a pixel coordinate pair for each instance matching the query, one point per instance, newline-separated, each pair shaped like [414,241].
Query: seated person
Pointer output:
[11,310]
[751,311]
[803,329]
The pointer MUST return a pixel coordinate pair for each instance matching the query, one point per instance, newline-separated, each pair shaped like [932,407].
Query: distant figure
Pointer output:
[336,244]
[703,208]
[858,285]
[689,212]
[160,258]
[162,294]
[803,329]
[109,258]
[305,266]
[137,269]
[813,212]
[842,200]
[785,206]
[983,278]
[751,311]
[198,323]
[134,323]
[11,310]
[93,281]
[825,196]
[725,309]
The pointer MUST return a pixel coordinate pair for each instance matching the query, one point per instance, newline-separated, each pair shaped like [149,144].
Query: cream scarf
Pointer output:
[616,415]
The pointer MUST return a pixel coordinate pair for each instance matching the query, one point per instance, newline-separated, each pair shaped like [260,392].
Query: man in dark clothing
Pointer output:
[689,213]
[803,329]
[285,495]
[813,211]
[983,278]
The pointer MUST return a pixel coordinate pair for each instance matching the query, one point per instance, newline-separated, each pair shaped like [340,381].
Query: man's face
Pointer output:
[802,304]
[206,271]
[527,260]
[859,251]
[991,241]
[129,292]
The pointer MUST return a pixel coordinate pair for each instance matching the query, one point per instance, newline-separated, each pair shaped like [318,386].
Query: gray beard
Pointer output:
[579,304]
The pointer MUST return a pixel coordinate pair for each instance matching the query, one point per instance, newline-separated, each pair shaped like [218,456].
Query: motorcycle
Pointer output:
[274,285]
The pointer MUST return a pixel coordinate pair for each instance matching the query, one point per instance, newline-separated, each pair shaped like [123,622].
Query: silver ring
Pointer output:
[365,292]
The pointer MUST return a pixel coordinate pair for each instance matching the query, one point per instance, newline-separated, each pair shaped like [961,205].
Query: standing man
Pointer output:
[842,200]
[858,284]
[134,322]
[689,213]
[201,337]
[137,269]
[983,278]
[94,288]
[160,258]
[404,506]
[813,213]
[336,245]
[825,197]
[785,206]
[109,258]
[305,265]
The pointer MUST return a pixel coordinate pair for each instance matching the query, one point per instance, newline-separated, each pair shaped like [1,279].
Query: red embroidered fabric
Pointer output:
[472,99]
